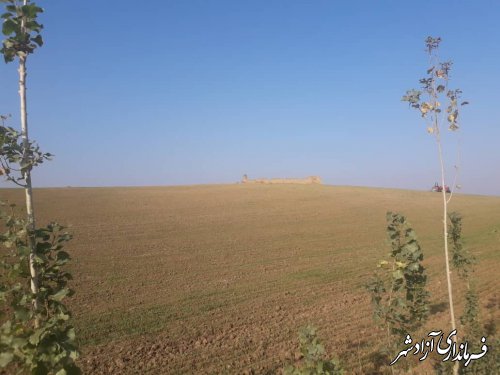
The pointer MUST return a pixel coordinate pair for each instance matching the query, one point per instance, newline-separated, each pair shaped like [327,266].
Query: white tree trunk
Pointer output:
[27,177]
[445,235]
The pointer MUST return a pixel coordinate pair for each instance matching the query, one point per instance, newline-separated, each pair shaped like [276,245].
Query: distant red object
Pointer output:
[438,188]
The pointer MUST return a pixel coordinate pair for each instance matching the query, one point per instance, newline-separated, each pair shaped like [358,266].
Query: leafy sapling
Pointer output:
[48,347]
[313,353]
[438,104]
[35,334]
[399,289]
[22,36]
[463,262]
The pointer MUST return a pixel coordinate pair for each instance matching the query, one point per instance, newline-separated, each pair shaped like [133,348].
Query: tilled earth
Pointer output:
[219,279]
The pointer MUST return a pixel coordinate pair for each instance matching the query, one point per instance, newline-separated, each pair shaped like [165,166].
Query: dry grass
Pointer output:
[218,279]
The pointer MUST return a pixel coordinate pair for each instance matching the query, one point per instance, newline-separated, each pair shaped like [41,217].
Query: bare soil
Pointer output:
[218,279]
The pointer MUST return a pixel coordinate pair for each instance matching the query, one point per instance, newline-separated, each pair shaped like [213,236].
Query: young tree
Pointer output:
[399,288]
[437,103]
[313,353]
[22,33]
[34,334]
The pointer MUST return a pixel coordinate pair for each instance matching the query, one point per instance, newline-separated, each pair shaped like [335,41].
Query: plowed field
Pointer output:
[219,278]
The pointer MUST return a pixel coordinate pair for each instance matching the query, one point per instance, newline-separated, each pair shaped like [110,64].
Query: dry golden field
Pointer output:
[219,278]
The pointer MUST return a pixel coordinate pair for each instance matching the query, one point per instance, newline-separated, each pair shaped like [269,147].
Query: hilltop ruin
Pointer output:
[311,180]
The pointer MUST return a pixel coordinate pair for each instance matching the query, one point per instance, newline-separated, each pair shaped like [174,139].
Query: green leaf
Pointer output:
[43,246]
[400,264]
[59,296]
[414,267]
[71,333]
[18,342]
[319,367]
[5,359]
[22,314]
[40,259]
[30,10]
[63,316]
[411,247]
[398,275]
[73,354]
[62,255]
[38,40]
[35,337]
[23,250]
[9,27]
[39,369]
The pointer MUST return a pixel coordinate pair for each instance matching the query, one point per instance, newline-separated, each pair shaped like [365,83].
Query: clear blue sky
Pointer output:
[188,92]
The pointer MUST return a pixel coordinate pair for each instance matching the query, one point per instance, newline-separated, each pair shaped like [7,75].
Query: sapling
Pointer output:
[463,262]
[399,288]
[34,332]
[438,104]
[22,33]
[313,353]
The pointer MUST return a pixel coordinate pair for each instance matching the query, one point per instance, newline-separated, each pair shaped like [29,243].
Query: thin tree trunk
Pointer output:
[28,189]
[445,235]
